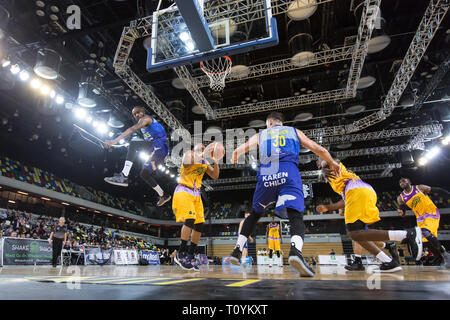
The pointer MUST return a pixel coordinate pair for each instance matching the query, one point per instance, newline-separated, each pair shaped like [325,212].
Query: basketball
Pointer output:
[215,150]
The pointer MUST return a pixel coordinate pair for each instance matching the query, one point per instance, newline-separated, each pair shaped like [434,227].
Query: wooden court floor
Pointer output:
[219,282]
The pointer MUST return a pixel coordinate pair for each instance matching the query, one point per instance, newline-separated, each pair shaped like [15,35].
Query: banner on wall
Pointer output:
[97,256]
[122,257]
[151,257]
[18,251]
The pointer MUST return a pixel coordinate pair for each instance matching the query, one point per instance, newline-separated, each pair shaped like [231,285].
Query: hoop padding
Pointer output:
[217,70]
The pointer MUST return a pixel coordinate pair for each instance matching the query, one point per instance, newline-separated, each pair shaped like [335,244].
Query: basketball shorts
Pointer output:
[157,152]
[283,189]
[274,244]
[361,204]
[245,245]
[187,204]
[429,221]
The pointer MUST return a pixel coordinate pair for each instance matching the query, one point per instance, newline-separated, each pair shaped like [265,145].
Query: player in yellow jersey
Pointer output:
[273,240]
[426,212]
[359,200]
[187,203]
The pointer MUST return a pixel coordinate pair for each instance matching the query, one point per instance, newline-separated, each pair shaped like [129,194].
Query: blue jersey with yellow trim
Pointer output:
[154,131]
[279,144]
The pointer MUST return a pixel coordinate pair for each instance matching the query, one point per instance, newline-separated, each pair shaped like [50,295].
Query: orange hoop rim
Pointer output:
[217,73]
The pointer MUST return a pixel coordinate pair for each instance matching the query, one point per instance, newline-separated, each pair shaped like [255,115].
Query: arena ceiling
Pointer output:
[32,126]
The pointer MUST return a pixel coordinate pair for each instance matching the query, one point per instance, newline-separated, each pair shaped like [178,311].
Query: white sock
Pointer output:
[397,235]
[159,190]
[383,257]
[126,168]
[241,241]
[357,256]
[298,242]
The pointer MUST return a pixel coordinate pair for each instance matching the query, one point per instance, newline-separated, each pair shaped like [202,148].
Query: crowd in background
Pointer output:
[16,170]
[18,224]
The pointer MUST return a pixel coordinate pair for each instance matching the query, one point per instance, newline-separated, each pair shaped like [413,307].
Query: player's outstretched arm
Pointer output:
[319,151]
[402,206]
[251,144]
[143,122]
[427,190]
[213,172]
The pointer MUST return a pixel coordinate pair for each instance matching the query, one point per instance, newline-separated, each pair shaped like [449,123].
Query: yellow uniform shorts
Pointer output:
[274,245]
[187,204]
[361,204]
[430,224]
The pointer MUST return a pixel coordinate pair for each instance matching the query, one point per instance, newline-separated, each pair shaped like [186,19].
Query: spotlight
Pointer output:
[167,171]
[433,153]
[162,168]
[5,63]
[15,69]
[102,128]
[111,134]
[24,75]
[184,36]
[59,99]
[80,113]
[52,94]
[35,83]
[172,176]
[423,161]
[89,119]
[144,155]
[45,90]
[122,141]
[95,124]
[178,179]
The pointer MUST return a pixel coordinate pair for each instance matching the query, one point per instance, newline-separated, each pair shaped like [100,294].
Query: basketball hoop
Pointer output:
[217,70]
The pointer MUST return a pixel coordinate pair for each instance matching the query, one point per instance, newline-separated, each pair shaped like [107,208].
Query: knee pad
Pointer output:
[250,223]
[198,227]
[189,223]
[297,226]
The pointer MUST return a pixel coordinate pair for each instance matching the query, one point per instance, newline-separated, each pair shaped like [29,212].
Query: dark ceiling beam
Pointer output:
[90,30]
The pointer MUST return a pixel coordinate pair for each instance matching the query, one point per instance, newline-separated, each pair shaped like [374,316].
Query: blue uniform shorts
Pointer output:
[282,188]
[158,152]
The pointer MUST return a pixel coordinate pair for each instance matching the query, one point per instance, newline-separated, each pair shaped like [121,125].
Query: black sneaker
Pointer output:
[118,179]
[414,240]
[235,256]
[355,266]
[182,260]
[296,260]
[392,247]
[193,262]
[163,199]
[386,267]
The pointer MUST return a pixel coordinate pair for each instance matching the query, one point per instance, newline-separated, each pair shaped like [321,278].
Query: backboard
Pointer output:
[194,30]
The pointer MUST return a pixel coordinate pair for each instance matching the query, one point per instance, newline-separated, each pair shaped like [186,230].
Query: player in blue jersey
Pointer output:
[155,144]
[279,183]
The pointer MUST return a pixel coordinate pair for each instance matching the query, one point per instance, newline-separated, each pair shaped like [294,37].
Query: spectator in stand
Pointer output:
[332,253]
[8,232]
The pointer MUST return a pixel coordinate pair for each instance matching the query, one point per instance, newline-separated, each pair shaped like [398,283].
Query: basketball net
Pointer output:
[217,70]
